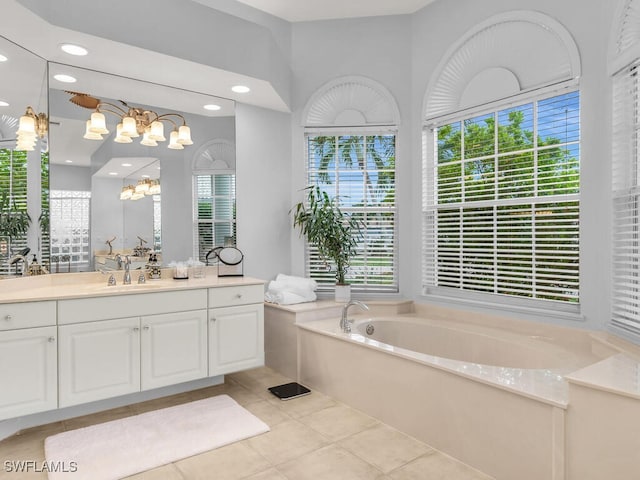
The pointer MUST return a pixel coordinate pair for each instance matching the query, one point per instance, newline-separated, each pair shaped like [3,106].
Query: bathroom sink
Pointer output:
[102,287]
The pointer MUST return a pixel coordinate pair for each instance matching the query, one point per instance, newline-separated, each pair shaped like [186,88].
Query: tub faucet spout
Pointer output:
[344,320]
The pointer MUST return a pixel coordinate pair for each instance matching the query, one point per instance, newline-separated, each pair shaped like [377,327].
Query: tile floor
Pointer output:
[312,437]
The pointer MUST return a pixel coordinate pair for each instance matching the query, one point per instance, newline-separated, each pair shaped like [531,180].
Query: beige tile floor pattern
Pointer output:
[312,437]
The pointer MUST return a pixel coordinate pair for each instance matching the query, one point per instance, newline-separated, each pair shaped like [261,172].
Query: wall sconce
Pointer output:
[32,125]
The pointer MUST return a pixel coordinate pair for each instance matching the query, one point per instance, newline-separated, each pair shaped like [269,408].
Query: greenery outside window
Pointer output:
[14,194]
[358,168]
[501,202]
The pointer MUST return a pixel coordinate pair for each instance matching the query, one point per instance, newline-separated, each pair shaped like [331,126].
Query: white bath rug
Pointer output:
[123,447]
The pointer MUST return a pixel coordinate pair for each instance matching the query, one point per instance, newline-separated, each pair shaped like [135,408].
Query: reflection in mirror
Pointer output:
[24,165]
[96,221]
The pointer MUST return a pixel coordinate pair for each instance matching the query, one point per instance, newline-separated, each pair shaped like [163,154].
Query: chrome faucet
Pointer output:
[126,279]
[344,320]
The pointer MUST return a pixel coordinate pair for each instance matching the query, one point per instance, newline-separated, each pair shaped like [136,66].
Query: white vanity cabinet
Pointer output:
[102,356]
[99,360]
[236,329]
[28,358]
[173,348]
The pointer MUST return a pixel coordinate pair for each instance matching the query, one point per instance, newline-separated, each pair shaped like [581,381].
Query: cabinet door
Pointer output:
[236,338]
[99,360]
[174,348]
[28,371]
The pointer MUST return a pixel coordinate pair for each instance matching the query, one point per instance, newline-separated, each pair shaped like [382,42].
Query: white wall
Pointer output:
[263,186]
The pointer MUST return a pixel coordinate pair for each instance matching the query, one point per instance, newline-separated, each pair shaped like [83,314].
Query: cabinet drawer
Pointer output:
[27,315]
[237,295]
[134,305]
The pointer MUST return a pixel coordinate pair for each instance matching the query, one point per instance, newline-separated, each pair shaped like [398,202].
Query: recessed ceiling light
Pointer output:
[240,89]
[113,173]
[64,78]
[126,165]
[3,103]
[212,106]
[68,161]
[72,49]
[3,58]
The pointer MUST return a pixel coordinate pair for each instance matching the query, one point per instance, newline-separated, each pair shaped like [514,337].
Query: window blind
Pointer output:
[501,202]
[626,195]
[215,212]
[358,168]
[13,190]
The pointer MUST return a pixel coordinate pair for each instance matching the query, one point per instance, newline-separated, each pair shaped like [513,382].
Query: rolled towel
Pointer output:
[288,298]
[276,286]
[309,283]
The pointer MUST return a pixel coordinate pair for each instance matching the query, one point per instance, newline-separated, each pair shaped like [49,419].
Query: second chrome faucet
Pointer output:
[345,324]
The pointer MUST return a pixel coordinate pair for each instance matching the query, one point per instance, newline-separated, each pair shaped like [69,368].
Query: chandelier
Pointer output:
[31,126]
[143,188]
[136,122]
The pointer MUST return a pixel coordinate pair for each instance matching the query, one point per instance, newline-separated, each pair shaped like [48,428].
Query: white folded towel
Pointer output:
[293,281]
[288,290]
[287,298]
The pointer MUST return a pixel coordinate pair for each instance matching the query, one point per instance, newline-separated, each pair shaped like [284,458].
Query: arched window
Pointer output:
[350,132]
[214,187]
[502,166]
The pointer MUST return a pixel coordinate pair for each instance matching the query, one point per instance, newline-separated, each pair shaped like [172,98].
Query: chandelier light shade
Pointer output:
[136,122]
[127,192]
[98,124]
[147,140]
[144,187]
[89,135]
[120,137]
[173,141]
[31,126]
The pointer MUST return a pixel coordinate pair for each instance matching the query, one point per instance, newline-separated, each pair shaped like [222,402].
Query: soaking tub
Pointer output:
[493,396]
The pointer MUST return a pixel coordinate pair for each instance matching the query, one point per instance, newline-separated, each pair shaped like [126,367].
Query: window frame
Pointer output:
[430,289]
[326,280]
[197,253]
[625,203]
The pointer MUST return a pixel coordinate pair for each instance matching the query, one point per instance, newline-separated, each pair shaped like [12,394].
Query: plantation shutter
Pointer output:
[13,185]
[501,202]
[626,194]
[358,168]
[215,211]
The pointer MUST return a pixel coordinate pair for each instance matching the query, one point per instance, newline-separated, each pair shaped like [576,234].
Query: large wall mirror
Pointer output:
[88,218]
[24,172]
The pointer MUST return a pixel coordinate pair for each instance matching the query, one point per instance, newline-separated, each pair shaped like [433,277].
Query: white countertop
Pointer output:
[619,374]
[94,284]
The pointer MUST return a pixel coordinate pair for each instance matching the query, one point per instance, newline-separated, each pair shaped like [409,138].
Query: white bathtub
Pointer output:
[491,396]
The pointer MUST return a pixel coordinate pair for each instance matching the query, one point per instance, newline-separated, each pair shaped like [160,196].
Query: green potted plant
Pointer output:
[13,222]
[333,232]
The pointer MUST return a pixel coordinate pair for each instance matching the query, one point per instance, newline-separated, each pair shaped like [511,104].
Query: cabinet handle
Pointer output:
[8,318]
[136,329]
[146,327]
[238,295]
[51,339]
[213,319]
